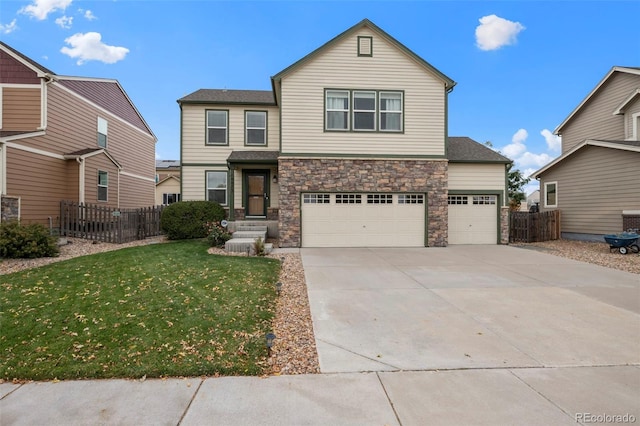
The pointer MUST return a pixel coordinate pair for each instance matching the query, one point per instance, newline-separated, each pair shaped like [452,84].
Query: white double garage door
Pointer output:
[391,220]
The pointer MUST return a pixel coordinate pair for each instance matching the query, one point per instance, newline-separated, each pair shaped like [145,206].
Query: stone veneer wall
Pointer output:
[298,175]
[272,214]
[504,225]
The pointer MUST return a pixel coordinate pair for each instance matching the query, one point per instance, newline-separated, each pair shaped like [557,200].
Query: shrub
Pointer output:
[218,235]
[26,241]
[258,247]
[187,219]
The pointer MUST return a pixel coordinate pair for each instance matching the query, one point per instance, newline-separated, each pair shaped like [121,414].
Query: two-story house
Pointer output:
[348,149]
[167,182]
[596,179]
[69,138]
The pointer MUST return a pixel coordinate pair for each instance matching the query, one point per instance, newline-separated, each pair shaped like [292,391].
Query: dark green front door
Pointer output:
[256,197]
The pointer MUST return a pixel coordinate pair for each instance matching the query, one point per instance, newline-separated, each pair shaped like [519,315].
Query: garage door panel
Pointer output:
[473,219]
[377,221]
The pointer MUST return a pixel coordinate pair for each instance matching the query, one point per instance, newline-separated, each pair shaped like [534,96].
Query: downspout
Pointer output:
[81,179]
[48,79]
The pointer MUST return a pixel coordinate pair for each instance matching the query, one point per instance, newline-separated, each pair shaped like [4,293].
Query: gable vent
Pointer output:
[365,46]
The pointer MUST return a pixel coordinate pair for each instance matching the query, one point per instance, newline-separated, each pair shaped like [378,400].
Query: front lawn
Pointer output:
[157,310]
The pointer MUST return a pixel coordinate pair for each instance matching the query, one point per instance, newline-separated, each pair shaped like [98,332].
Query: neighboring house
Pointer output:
[532,199]
[69,138]
[597,177]
[349,149]
[167,182]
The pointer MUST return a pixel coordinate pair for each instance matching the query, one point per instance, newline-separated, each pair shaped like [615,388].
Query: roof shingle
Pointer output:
[224,96]
[463,149]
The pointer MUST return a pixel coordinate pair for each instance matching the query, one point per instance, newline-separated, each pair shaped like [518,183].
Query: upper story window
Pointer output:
[369,110]
[364,110]
[391,111]
[102,132]
[256,128]
[337,104]
[217,127]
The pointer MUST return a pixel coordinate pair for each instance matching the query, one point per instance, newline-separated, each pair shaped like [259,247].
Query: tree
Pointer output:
[516,182]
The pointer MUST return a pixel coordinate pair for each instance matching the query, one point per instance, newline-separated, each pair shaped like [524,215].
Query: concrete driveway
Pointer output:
[468,307]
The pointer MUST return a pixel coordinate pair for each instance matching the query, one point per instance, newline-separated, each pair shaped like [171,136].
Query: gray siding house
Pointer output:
[350,148]
[596,180]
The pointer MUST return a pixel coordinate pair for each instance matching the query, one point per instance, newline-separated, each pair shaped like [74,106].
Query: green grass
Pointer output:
[157,310]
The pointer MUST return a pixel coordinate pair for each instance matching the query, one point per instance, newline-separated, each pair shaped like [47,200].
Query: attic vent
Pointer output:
[365,46]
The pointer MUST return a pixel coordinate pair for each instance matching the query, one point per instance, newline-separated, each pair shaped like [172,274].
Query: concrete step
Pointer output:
[259,228]
[241,245]
[250,234]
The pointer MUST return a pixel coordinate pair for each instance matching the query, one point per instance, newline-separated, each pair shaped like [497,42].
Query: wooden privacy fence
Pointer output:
[525,227]
[108,224]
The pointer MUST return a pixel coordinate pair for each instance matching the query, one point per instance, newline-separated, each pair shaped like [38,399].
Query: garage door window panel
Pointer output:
[379,199]
[457,199]
[348,199]
[410,199]
[316,198]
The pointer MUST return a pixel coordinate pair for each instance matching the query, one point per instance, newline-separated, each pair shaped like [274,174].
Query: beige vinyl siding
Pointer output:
[193,181]
[20,108]
[463,176]
[194,149]
[135,192]
[596,120]
[41,182]
[303,91]
[92,166]
[594,186]
[170,186]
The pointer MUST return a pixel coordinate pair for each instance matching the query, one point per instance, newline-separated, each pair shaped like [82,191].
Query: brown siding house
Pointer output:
[595,181]
[70,138]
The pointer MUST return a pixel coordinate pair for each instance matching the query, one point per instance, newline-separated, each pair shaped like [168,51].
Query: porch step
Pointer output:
[240,245]
[251,234]
[257,228]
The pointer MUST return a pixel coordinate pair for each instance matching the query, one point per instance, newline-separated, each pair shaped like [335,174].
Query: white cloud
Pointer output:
[517,146]
[41,8]
[89,47]
[529,159]
[8,28]
[495,32]
[89,15]
[65,21]
[554,143]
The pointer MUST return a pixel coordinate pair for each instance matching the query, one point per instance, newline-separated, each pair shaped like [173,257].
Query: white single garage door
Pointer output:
[363,220]
[473,219]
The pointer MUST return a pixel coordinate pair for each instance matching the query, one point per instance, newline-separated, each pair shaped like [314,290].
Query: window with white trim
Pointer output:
[256,127]
[369,110]
[551,194]
[410,199]
[364,110]
[102,132]
[217,187]
[169,198]
[348,199]
[337,110]
[457,199]
[103,186]
[217,126]
[316,198]
[484,199]
[379,199]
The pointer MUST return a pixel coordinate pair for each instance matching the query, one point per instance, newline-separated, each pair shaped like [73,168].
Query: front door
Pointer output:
[256,204]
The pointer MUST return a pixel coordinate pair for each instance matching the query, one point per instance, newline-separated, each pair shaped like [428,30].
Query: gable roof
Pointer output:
[462,149]
[629,70]
[165,164]
[628,101]
[108,94]
[224,96]
[177,178]
[365,23]
[90,152]
[633,146]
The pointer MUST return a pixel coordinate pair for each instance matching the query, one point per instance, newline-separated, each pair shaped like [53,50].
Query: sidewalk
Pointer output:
[532,396]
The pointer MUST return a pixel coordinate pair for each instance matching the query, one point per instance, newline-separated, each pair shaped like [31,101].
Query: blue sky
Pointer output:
[521,66]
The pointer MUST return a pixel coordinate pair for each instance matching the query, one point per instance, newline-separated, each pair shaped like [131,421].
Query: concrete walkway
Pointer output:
[462,335]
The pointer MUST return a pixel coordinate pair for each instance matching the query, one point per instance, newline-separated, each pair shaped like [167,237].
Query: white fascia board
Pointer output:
[137,176]
[623,105]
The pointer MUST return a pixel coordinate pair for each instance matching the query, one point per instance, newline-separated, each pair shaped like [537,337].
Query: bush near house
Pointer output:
[217,234]
[26,241]
[188,219]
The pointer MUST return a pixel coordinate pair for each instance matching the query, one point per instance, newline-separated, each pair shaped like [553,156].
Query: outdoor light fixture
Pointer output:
[275,179]
[278,288]
[269,341]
